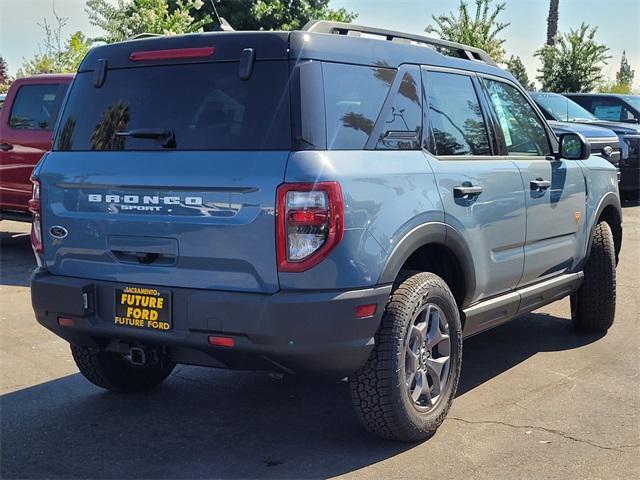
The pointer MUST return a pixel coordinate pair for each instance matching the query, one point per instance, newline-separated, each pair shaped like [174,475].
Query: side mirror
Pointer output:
[573,146]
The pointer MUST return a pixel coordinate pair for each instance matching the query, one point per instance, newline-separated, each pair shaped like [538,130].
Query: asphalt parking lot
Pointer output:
[536,400]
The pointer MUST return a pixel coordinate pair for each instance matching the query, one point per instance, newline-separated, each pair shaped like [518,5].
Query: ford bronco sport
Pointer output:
[318,201]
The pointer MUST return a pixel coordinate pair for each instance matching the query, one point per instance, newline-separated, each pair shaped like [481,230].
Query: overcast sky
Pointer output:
[618,24]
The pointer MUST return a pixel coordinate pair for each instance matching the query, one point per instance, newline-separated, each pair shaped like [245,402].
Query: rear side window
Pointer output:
[611,109]
[353,98]
[455,117]
[402,127]
[35,107]
[200,107]
[523,132]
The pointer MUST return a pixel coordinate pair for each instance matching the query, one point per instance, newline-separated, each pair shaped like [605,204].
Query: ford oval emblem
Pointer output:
[58,232]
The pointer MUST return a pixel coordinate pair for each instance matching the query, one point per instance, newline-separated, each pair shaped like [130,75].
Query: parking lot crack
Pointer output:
[617,448]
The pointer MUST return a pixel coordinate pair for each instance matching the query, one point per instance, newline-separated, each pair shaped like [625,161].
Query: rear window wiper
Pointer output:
[146,133]
[151,133]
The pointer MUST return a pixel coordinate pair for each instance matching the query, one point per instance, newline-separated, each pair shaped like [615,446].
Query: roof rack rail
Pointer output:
[340,28]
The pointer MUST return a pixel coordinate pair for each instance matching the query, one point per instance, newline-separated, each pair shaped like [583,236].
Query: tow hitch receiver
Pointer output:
[137,356]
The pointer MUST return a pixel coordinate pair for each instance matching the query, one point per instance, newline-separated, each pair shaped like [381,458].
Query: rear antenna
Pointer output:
[223,25]
[215,10]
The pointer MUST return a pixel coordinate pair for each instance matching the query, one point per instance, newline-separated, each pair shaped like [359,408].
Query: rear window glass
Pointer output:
[199,107]
[353,98]
[35,106]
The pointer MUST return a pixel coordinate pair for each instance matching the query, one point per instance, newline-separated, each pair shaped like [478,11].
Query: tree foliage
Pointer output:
[56,55]
[552,21]
[624,76]
[574,63]
[5,79]
[480,30]
[271,14]
[127,18]
[516,67]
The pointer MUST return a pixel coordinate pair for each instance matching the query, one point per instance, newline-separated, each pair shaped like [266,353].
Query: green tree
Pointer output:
[271,14]
[56,54]
[516,67]
[574,62]
[128,18]
[552,21]
[5,79]
[625,75]
[479,30]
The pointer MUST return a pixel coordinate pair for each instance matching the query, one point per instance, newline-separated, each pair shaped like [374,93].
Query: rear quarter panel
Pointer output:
[386,194]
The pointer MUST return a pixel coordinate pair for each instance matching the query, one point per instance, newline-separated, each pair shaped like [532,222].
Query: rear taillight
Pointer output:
[310,220]
[36,223]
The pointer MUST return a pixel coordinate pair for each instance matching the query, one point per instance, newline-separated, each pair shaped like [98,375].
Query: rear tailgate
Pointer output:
[190,206]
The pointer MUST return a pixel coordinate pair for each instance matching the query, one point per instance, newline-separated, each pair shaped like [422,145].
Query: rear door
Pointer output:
[482,194]
[554,189]
[26,124]
[165,174]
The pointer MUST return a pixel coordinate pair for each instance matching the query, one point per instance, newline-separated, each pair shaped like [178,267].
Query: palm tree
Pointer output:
[552,22]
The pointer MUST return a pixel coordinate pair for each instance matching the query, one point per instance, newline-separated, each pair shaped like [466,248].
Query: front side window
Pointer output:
[353,98]
[523,132]
[35,107]
[455,117]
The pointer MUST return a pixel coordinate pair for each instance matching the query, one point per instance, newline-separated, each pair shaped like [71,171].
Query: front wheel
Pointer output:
[593,306]
[406,388]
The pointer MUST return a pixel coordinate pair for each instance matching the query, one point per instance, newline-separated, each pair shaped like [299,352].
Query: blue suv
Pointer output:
[340,200]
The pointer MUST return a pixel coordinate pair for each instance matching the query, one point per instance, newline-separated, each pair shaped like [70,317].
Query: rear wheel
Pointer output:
[593,306]
[114,372]
[406,388]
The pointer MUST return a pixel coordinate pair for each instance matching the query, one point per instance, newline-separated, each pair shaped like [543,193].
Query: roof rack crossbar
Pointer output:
[340,28]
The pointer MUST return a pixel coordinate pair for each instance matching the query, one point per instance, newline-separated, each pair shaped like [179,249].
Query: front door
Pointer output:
[554,189]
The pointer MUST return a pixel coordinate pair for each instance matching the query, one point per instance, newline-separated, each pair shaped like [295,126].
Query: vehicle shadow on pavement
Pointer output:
[214,423]
[491,353]
[16,259]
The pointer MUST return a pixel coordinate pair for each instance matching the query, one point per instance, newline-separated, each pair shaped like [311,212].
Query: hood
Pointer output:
[618,127]
[587,130]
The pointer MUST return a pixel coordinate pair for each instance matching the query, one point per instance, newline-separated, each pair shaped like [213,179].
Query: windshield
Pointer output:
[633,101]
[179,107]
[561,108]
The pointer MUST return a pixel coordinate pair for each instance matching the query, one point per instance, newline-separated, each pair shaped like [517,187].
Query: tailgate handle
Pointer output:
[144,250]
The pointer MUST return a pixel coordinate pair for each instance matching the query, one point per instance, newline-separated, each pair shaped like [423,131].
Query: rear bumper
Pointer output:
[289,332]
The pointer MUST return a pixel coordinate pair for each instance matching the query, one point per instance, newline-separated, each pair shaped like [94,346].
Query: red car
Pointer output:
[27,119]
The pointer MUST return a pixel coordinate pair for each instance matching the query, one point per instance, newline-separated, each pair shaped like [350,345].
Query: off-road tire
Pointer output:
[113,372]
[378,389]
[593,306]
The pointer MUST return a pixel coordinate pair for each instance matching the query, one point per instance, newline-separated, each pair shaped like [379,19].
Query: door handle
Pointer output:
[466,191]
[5,147]
[539,184]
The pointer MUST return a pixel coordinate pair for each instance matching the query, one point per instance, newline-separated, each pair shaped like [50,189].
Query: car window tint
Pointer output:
[523,131]
[455,117]
[353,98]
[403,124]
[203,107]
[34,107]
